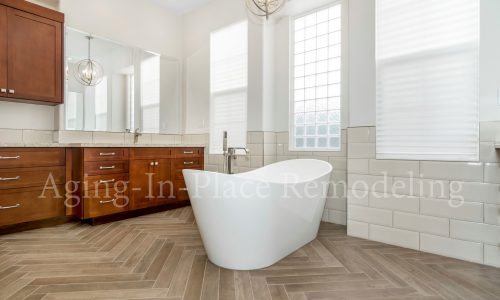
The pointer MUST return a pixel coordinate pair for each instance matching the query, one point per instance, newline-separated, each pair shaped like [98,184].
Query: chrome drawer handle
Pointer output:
[9,207]
[107,168]
[107,154]
[183,189]
[107,181]
[106,202]
[9,157]
[187,163]
[12,91]
[3,91]
[188,152]
[10,179]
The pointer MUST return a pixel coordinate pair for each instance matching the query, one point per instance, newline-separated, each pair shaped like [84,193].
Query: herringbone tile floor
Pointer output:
[161,257]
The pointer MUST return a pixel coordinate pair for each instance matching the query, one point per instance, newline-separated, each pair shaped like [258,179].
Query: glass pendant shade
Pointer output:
[88,71]
[264,8]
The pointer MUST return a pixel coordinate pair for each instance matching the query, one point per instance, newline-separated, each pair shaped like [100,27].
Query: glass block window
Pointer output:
[315,123]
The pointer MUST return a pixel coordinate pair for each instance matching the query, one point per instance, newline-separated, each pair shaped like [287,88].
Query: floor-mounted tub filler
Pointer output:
[252,220]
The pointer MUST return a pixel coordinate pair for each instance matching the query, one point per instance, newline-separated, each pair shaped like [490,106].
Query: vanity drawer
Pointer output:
[24,205]
[187,163]
[104,168]
[188,152]
[31,177]
[180,191]
[105,154]
[102,206]
[150,153]
[31,157]
[106,181]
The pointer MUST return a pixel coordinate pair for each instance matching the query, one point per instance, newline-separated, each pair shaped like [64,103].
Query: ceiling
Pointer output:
[181,6]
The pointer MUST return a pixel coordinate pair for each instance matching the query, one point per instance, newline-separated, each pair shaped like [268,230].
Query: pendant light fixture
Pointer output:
[264,8]
[88,72]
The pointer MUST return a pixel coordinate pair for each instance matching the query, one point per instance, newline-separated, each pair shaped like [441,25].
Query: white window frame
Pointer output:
[343,81]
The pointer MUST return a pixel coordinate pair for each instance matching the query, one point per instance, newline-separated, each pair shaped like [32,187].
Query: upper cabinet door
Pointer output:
[34,57]
[3,51]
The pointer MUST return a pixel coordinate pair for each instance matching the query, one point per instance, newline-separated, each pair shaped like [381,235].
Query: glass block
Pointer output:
[334,77]
[334,129]
[322,54]
[334,38]
[310,32]
[310,69]
[300,71]
[299,143]
[322,16]
[299,107]
[322,92]
[310,20]
[322,129]
[321,79]
[299,95]
[321,104]
[310,57]
[334,25]
[322,66]
[299,59]
[310,44]
[334,142]
[311,142]
[334,116]
[299,130]
[310,106]
[334,90]
[299,119]
[334,64]
[322,28]
[310,118]
[300,23]
[321,117]
[310,94]
[311,130]
[310,81]
[322,41]
[298,83]
[300,47]
[322,142]
[334,51]
[300,35]
[334,12]
[334,103]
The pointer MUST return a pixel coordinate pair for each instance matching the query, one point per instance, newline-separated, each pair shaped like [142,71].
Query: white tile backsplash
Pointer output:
[492,173]
[492,214]
[361,150]
[38,136]
[475,192]
[395,202]
[492,255]
[400,168]
[467,211]
[357,229]
[464,250]
[393,236]
[421,223]
[11,135]
[461,171]
[370,215]
[476,232]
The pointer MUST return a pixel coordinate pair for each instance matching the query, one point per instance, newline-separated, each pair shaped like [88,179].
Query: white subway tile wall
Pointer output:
[447,208]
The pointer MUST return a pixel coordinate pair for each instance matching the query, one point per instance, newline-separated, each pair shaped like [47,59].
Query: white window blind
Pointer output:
[150,94]
[316,102]
[228,86]
[427,79]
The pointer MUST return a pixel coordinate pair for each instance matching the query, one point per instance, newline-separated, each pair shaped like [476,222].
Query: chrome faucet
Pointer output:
[137,134]
[230,155]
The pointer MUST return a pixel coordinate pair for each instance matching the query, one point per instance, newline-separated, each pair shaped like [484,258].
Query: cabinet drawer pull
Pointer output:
[107,168]
[9,207]
[183,189]
[187,163]
[188,152]
[10,179]
[3,91]
[9,157]
[106,202]
[107,154]
[107,181]
[12,91]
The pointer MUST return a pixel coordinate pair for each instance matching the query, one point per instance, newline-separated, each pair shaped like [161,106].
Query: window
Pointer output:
[316,81]
[427,79]
[150,94]
[228,86]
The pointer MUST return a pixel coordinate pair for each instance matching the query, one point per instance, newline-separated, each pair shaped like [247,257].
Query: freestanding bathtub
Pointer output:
[252,220]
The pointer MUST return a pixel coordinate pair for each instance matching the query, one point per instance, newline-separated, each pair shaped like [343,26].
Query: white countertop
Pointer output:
[103,145]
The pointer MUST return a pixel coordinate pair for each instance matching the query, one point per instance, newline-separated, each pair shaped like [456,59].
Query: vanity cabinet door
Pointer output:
[3,51]
[165,187]
[35,59]
[142,183]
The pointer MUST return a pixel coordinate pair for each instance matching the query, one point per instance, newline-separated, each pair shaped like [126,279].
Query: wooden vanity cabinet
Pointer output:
[31,53]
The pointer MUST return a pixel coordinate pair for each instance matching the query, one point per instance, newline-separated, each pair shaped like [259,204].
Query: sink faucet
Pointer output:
[230,154]
[137,134]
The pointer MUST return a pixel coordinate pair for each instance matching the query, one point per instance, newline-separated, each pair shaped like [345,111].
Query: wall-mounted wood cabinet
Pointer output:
[31,53]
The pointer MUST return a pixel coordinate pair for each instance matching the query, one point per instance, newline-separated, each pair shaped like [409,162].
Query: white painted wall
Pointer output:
[362,62]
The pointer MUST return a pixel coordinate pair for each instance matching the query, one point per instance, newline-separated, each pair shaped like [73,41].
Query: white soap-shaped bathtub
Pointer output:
[252,220]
